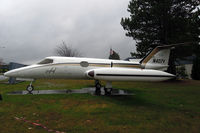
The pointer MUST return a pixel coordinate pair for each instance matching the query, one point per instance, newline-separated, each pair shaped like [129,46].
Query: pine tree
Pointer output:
[158,22]
[196,64]
[196,69]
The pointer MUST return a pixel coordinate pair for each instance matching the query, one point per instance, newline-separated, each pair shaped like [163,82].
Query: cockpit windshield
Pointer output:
[46,61]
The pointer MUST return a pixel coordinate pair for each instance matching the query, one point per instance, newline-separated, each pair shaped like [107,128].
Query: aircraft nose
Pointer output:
[10,74]
[7,74]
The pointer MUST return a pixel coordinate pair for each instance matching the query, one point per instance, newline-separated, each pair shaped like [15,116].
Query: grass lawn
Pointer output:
[163,107]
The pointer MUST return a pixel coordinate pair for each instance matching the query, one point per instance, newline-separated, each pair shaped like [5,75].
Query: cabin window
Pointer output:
[46,61]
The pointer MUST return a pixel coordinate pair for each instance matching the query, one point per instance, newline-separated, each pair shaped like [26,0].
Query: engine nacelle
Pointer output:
[128,74]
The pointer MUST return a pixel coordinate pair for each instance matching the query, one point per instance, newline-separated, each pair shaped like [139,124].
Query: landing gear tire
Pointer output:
[98,86]
[108,91]
[98,89]
[30,88]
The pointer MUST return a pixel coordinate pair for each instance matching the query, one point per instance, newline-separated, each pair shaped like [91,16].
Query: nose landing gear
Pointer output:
[30,88]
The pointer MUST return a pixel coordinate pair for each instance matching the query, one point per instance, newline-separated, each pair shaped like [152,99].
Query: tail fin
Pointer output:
[158,58]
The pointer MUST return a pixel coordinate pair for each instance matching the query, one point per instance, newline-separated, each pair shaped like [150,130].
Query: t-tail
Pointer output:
[157,59]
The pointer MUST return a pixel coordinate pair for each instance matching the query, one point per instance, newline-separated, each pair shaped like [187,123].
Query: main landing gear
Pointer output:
[98,87]
[30,88]
[107,88]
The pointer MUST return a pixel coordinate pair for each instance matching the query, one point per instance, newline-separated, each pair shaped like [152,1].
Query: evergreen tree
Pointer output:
[158,22]
[196,69]
[196,64]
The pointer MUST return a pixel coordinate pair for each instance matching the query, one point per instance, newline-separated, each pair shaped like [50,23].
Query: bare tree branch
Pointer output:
[1,61]
[64,50]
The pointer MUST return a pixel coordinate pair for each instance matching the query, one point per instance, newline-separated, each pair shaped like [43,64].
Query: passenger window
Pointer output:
[46,61]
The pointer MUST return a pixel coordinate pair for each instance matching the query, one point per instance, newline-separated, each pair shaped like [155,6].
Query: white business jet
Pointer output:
[150,68]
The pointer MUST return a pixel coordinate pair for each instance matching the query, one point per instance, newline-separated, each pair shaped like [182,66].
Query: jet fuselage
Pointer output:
[88,68]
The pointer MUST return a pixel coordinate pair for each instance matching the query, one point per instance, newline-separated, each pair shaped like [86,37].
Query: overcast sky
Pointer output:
[31,29]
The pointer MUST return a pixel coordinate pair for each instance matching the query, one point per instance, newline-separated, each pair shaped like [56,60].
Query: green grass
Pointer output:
[156,107]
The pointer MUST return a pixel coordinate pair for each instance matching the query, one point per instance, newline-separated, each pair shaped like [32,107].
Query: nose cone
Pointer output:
[23,72]
[7,74]
[10,74]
